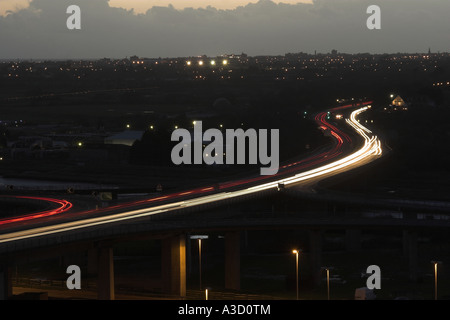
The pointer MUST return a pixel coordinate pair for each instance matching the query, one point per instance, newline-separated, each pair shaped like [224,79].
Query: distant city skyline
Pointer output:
[38,30]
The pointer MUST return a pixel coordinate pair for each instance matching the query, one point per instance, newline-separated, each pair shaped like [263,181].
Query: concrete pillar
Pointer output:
[174,265]
[5,281]
[315,248]
[410,246]
[188,255]
[353,240]
[105,274]
[233,260]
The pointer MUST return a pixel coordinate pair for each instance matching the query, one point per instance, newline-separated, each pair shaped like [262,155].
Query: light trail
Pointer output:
[64,206]
[370,150]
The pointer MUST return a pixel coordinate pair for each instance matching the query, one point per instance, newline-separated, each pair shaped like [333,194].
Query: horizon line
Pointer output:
[225,55]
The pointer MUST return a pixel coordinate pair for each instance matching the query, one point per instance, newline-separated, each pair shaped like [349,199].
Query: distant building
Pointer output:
[398,102]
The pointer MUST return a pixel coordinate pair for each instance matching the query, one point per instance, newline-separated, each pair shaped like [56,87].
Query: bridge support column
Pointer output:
[315,245]
[410,246]
[353,240]
[105,273]
[174,265]
[5,281]
[233,260]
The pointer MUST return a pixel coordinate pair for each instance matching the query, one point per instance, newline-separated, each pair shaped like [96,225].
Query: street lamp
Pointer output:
[199,238]
[328,284]
[435,277]
[296,252]
[328,280]
[200,261]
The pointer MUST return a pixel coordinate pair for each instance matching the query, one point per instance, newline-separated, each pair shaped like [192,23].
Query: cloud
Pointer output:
[39,31]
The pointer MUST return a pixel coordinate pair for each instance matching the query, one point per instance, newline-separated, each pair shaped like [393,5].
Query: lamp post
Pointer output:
[199,238]
[296,252]
[435,277]
[328,283]
[200,261]
[328,280]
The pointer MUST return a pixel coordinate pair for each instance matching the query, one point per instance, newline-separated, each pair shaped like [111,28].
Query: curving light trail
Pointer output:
[63,206]
[369,151]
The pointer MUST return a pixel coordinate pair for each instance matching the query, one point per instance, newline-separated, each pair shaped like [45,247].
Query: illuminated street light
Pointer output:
[435,277]
[200,238]
[225,62]
[200,63]
[213,62]
[328,280]
[328,284]
[188,63]
[296,252]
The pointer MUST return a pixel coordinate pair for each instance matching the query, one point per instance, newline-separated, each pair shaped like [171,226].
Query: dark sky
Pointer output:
[263,28]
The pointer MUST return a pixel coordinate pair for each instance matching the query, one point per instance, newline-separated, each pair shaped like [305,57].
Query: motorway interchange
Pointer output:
[297,173]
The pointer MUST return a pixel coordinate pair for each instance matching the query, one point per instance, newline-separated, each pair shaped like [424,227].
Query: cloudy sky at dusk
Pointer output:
[37,29]
[141,6]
